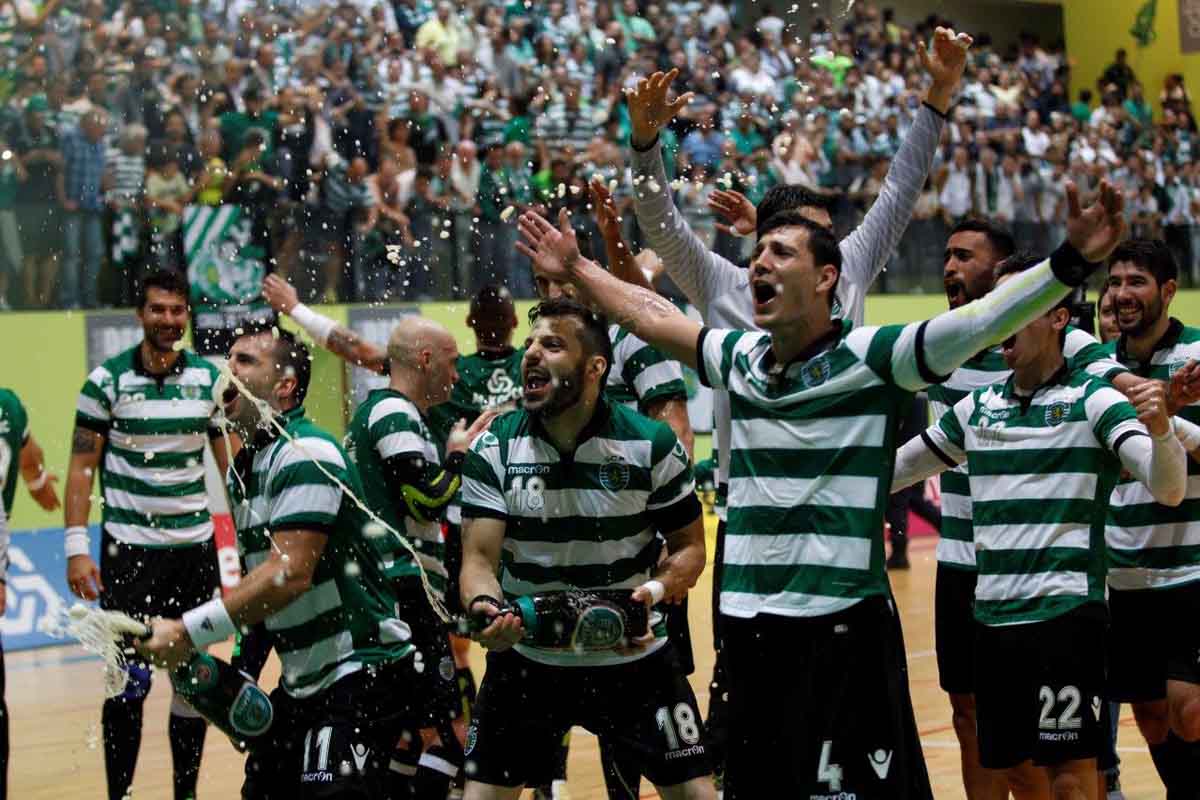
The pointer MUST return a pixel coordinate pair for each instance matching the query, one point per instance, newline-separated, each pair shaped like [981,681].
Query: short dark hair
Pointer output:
[492,301]
[166,280]
[787,197]
[1000,238]
[1151,255]
[595,327]
[821,242]
[289,353]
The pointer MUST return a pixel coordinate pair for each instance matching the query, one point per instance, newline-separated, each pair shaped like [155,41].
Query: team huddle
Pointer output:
[470,485]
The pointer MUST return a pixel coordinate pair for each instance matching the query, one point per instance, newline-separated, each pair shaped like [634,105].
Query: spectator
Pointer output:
[210,183]
[12,258]
[1035,138]
[441,34]
[344,193]
[494,248]
[1118,74]
[1081,109]
[39,214]
[125,182]
[1135,105]
[703,145]
[235,124]
[80,194]
[167,193]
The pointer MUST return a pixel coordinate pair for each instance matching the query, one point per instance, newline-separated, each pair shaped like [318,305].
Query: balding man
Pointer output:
[406,485]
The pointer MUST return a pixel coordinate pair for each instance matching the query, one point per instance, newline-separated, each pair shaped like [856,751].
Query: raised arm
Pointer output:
[337,339]
[555,253]
[927,352]
[620,258]
[701,274]
[867,249]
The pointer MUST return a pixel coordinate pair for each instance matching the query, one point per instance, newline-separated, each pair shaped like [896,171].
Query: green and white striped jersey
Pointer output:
[955,548]
[156,428]
[484,381]
[581,520]
[14,432]
[347,619]
[1041,470]
[1152,546]
[813,446]
[388,425]
[640,374]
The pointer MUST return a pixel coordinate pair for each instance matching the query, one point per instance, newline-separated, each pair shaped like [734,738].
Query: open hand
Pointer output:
[1096,230]
[947,59]
[649,109]
[461,436]
[735,208]
[553,251]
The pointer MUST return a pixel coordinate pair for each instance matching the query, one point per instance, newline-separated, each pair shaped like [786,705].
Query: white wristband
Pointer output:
[38,482]
[656,589]
[77,542]
[318,326]
[209,623]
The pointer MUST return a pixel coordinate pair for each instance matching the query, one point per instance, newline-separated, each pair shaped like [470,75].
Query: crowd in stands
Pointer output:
[348,130]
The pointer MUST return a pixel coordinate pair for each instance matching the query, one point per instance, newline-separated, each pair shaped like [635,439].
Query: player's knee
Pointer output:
[1069,786]
[1152,721]
[1187,725]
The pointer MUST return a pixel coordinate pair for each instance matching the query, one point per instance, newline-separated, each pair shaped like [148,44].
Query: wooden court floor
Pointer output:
[54,698]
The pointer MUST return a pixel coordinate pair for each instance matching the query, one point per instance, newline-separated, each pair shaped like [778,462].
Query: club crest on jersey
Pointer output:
[1056,413]
[1174,367]
[614,474]
[816,372]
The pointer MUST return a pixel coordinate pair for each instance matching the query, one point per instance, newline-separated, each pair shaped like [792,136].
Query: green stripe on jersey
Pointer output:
[346,619]
[1150,545]
[812,451]
[640,374]
[1041,469]
[579,520]
[955,548]
[388,425]
[152,472]
[14,430]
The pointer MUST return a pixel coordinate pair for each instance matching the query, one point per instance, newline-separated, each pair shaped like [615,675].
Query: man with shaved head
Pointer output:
[406,484]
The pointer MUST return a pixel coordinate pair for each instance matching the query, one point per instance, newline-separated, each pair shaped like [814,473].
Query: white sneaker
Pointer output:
[555,791]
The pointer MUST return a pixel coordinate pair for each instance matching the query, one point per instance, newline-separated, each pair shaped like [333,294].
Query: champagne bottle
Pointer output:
[226,697]
[577,619]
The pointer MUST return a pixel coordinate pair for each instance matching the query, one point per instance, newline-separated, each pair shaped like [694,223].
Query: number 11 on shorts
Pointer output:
[827,773]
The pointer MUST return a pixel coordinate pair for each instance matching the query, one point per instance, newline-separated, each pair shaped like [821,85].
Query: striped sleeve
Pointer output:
[1112,417]
[93,409]
[394,431]
[1084,352]
[652,375]
[714,355]
[482,479]
[302,491]
[671,476]
[947,436]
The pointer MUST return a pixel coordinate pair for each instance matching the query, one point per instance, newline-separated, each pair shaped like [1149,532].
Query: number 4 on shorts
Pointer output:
[827,773]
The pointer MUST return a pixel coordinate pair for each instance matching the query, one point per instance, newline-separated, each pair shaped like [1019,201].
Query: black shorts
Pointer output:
[1153,636]
[338,743]
[834,718]
[646,708]
[149,582]
[679,631]
[1039,690]
[438,694]
[954,628]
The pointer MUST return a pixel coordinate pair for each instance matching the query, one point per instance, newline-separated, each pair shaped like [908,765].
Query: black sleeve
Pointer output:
[680,514]
[425,487]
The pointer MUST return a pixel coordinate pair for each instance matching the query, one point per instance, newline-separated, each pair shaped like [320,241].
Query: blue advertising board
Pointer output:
[37,587]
